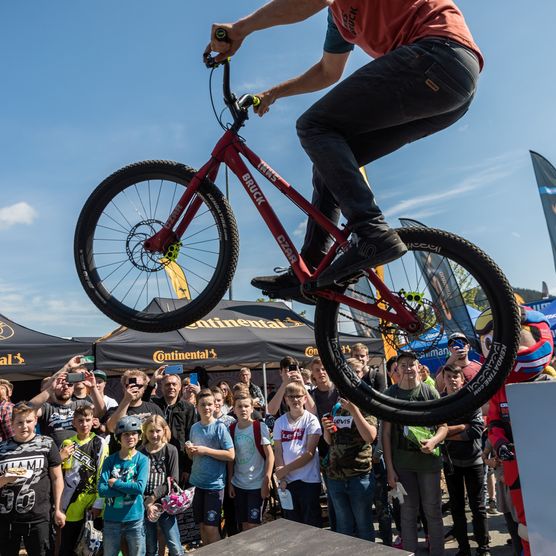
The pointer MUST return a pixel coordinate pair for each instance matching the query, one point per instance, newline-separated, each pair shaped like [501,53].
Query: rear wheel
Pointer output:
[445,281]
[154,292]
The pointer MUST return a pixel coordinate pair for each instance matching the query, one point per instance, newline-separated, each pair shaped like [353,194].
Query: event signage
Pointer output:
[11,359]
[216,322]
[6,331]
[161,356]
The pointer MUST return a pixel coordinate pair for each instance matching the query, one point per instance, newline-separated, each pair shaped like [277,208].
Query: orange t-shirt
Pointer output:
[380,26]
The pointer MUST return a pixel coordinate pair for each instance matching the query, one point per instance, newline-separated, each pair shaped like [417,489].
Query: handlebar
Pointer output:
[238,108]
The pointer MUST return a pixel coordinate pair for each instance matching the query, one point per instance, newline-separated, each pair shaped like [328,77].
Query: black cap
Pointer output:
[407,353]
[457,336]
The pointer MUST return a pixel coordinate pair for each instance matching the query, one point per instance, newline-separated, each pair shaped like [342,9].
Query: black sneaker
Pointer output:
[284,285]
[363,253]
[449,536]
[463,552]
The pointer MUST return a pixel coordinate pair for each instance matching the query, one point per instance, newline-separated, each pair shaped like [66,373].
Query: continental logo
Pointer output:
[169,356]
[6,331]
[217,322]
[312,351]
[11,359]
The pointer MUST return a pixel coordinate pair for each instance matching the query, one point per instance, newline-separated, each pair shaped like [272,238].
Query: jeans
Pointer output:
[132,531]
[36,538]
[306,503]
[424,488]
[405,95]
[353,499]
[171,532]
[470,479]
[382,506]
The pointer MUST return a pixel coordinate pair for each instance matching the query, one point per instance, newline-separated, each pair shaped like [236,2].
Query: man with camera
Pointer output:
[458,346]
[134,382]
[54,404]
[289,372]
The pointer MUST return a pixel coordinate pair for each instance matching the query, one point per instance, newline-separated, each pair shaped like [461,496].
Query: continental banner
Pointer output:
[444,290]
[233,334]
[26,354]
[545,174]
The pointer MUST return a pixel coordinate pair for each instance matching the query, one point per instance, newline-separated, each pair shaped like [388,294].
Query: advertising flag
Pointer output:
[444,290]
[546,182]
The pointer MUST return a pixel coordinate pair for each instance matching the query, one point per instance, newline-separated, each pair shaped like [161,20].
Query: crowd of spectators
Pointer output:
[73,454]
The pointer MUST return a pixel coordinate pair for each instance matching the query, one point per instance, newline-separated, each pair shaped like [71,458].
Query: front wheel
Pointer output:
[145,290]
[446,282]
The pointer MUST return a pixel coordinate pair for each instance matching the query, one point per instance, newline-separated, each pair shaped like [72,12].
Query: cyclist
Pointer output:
[422,80]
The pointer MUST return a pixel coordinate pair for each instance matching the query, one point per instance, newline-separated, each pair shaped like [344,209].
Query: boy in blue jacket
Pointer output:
[122,483]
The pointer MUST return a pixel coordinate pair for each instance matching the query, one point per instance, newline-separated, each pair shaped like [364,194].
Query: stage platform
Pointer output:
[294,539]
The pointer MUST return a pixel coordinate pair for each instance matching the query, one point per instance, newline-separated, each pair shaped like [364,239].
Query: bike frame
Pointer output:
[229,150]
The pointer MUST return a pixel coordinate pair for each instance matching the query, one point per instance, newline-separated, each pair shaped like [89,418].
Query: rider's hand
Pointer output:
[228,47]
[267,98]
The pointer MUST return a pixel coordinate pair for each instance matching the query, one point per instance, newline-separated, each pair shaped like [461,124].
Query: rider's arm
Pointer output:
[276,12]
[280,12]
[324,73]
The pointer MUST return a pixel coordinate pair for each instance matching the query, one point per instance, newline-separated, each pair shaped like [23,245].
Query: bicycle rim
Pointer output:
[147,291]
[425,280]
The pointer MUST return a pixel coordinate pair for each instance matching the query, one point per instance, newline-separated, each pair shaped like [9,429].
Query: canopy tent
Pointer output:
[436,357]
[235,333]
[27,354]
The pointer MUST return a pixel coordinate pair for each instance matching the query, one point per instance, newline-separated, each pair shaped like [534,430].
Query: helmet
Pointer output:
[530,360]
[128,423]
[177,500]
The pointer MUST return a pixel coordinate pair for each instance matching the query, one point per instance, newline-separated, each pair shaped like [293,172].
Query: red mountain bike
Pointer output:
[161,229]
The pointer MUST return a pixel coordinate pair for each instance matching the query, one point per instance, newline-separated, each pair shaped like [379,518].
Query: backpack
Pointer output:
[256,434]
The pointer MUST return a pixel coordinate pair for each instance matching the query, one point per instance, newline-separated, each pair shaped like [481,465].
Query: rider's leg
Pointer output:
[407,94]
[403,96]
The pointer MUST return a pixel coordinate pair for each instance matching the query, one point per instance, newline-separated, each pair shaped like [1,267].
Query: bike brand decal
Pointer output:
[12,359]
[489,370]
[253,188]
[266,171]
[287,249]
[424,247]
[164,356]
[174,215]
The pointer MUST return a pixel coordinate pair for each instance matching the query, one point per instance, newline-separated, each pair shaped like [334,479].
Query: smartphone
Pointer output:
[87,359]
[132,380]
[72,378]
[173,370]
[193,378]
[293,368]
[458,344]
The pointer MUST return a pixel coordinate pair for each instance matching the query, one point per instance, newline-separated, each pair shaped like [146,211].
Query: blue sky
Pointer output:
[91,86]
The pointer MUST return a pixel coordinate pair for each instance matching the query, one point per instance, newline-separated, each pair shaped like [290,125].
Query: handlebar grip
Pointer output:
[221,34]
[256,101]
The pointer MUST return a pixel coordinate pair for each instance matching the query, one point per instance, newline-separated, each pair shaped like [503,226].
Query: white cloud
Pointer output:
[70,314]
[515,234]
[480,179]
[20,213]
[300,230]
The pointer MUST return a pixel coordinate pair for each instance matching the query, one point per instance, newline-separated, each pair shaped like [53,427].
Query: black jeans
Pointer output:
[70,535]
[36,538]
[470,479]
[306,503]
[407,94]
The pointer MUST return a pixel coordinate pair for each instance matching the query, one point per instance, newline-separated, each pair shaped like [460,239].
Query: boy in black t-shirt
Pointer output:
[30,477]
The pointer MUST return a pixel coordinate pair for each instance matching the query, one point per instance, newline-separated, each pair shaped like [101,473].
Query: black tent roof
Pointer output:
[234,333]
[28,354]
